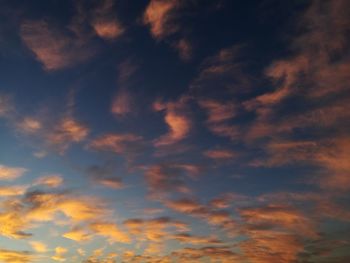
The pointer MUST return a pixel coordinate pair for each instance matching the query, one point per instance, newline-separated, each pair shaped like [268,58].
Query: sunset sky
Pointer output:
[175,131]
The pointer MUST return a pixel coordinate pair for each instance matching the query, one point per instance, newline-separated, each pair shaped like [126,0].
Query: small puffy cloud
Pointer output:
[38,246]
[107,29]
[176,118]
[110,231]
[8,173]
[104,22]
[159,15]
[52,181]
[67,131]
[60,254]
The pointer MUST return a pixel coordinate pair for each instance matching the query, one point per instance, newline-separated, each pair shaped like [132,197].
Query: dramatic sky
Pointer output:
[174,131]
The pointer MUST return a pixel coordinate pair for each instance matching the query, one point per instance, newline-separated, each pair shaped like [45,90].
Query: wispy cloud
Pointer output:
[52,47]
[8,173]
[177,119]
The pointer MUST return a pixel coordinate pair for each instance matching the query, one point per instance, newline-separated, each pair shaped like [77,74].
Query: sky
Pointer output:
[174,131]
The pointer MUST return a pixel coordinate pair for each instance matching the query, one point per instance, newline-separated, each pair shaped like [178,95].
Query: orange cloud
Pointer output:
[177,120]
[29,125]
[220,154]
[13,190]
[104,22]
[156,229]
[60,254]
[110,231]
[8,173]
[38,246]
[53,48]
[117,143]
[78,235]
[13,256]
[168,177]
[67,131]
[159,15]
[52,181]
[184,48]
[122,103]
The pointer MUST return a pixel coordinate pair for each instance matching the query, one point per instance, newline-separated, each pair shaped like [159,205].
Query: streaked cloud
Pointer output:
[119,143]
[220,154]
[8,173]
[14,256]
[52,181]
[12,190]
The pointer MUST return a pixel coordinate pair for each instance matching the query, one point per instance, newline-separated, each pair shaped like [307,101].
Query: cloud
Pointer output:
[65,132]
[218,111]
[219,114]
[13,256]
[110,231]
[177,120]
[105,23]
[165,178]
[54,48]
[156,229]
[78,235]
[38,246]
[44,207]
[29,125]
[13,224]
[119,143]
[8,173]
[223,254]
[13,190]
[196,240]
[122,103]
[275,233]
[60,254]
[220,154]
[111,182]
[184,48]
[159,15]
[52,181]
